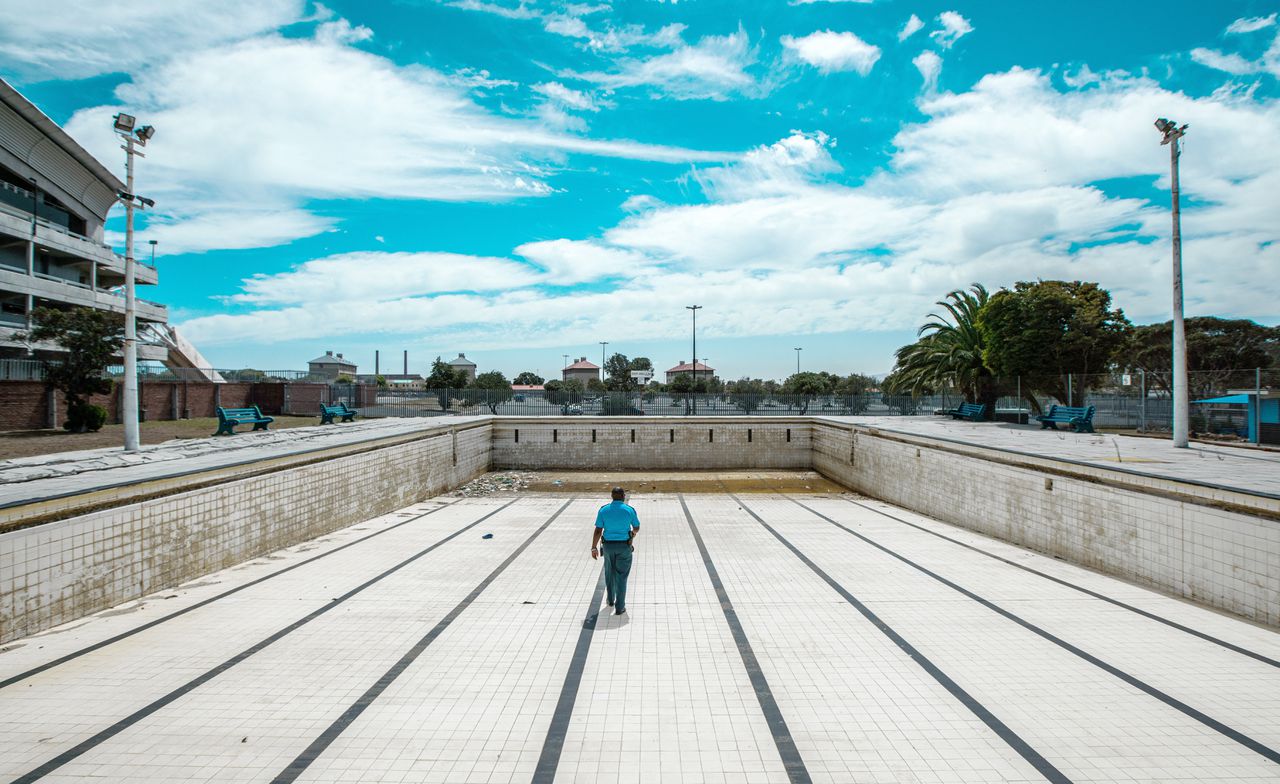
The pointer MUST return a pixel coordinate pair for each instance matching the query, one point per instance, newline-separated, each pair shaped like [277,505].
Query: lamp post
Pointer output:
[124,126]
[603,343]
[694,396]
[152,243]
[1171,133]
[798,350]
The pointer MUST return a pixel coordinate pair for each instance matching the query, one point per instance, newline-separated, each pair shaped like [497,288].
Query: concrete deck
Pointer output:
[769,639]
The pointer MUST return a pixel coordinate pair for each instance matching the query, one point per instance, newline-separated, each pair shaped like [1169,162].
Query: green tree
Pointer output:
[380,381]
[443,380]
[854,391]
[528,378]
[1215,348]
[1045,330]
[950,353]
[596,386]
[617,372]
[564,393]
[806,386]
[491,388]
[92,338]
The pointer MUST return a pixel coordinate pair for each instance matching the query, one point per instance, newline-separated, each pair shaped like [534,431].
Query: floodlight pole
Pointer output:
[798,350]
[694,395]
[130,397]
[1181,399]
[603,343]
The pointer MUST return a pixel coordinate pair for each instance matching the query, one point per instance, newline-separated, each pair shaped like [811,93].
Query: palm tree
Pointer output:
[948,354]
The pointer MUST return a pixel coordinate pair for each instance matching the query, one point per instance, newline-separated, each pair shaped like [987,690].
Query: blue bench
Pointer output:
[228,418]
[974,412]
[328,413]
[1080,418]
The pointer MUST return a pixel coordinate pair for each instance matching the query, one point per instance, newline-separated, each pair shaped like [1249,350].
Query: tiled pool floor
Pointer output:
[769,638]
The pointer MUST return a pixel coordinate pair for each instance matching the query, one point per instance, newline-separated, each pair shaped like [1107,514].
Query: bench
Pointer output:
[1080,418]
[974,412]
[327,413]
[228,418]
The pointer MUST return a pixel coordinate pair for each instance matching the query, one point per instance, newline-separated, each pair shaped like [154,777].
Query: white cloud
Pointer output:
[313,119]
[713,68]
[830,51]
[380,276]
[929,64]
[1232,63]
[913,26]
[340,31]
[573,99]
[1252,24]
[568,262]
[954,27]
[75,39]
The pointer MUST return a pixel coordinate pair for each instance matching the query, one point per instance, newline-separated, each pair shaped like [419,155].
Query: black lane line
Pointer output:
[1145,614]
[1143,686]
[340,724]
[110,640]
[200,680]
[1005,733]
[552,747]
[797,773]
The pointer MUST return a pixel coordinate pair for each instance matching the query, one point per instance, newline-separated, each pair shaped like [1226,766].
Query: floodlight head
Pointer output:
[1163,125]
[124,122]
[146,132]
[147,202]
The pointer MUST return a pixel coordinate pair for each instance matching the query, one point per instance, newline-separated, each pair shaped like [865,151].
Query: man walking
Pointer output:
[617,524]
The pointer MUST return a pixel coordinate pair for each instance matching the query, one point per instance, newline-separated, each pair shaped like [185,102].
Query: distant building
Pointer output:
[697,369]
[521,388]
[395,380]
[331,366]
[465,365]
[581,371]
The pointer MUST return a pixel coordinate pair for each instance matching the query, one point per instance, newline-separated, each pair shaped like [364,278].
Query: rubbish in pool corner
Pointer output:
[487,536]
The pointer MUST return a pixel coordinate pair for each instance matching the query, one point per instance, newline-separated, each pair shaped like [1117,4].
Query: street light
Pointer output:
[603,343]
[124,126]
[152,243]
[1171,133]
[694,396]
[798,350]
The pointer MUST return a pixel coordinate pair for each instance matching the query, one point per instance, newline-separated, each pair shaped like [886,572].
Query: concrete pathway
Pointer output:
[768,639]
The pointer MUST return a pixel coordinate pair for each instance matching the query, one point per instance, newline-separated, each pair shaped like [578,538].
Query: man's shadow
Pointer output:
[604,620]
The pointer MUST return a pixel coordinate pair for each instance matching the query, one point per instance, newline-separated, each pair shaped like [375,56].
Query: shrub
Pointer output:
[85,417]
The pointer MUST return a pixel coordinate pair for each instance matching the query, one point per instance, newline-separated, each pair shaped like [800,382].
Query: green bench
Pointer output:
[228,418]
[328,413]
[974,412]
[1079,418]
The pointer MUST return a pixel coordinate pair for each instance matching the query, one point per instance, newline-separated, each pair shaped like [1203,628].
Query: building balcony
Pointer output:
[17,223]
[72,292]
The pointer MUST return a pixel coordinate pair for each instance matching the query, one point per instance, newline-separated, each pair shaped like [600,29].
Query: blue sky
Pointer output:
[521,180]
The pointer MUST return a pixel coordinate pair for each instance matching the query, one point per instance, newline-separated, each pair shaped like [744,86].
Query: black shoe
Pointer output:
[619,612]
[609,602]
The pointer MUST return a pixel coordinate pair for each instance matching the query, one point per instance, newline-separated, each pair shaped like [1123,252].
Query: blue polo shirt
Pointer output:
[617,519]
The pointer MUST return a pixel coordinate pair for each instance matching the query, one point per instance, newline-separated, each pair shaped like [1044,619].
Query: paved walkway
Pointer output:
[1250,470]
[769,639]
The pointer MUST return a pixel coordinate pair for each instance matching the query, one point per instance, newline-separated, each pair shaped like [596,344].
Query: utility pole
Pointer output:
[798,350]
[1181,400]
[603,343]
[694,395]
[124,126]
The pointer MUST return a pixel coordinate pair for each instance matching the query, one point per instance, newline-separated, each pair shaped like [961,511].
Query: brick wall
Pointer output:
[24,404]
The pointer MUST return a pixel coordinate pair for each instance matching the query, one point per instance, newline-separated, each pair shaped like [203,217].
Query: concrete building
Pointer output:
[697,369]
[582,371]
[465,365]
[54,199]
[331,366]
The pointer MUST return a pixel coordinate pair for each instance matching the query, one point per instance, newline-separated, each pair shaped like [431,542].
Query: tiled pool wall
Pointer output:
[1177,538]
[1181,539]
[57,572]
[704,443]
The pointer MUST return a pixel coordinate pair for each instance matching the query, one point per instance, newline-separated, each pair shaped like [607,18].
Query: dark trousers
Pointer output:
[617,565]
